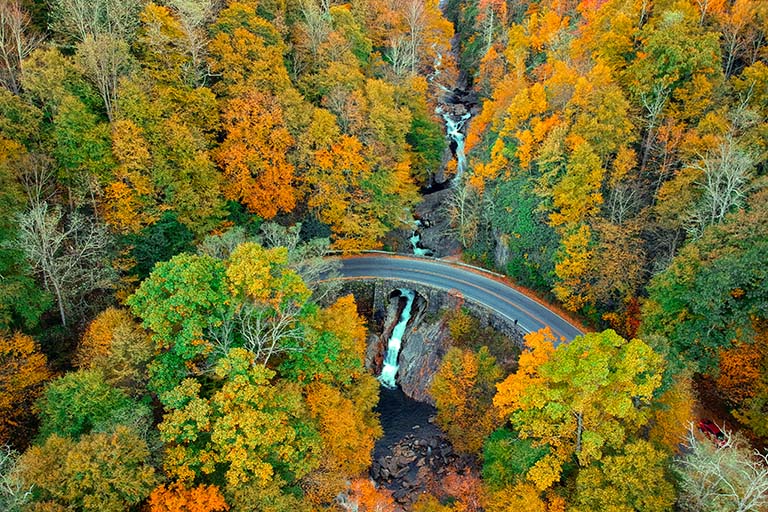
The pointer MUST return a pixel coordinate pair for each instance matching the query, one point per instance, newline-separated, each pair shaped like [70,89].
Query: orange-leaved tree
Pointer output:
[119,346]
[337,177]
[127,200]
[674,414]
[523,496]
[177,498]
[254,155]
[247,51]
[23,370]
[348,430]
[363,496]
[741,371]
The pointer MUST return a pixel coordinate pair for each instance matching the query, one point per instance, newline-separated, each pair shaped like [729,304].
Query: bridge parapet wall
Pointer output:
[374,295]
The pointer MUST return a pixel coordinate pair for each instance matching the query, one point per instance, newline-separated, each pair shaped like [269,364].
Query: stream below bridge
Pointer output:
[414,455]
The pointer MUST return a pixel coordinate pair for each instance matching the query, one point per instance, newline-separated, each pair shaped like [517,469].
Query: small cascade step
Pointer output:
[418,248]
[455,117]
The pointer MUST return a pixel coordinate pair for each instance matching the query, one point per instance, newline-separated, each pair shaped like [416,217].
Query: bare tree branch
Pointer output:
[728,476]
[77,19]
[463,208]
[37,177]
[311,260]
[105,60]
[68,254]
[727,172]
[262,330]
[14,494]
[17,41]
[193,16]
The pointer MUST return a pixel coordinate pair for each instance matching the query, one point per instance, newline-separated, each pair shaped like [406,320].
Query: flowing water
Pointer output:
[415,240]
[454,124]
[389,370]
[403,418]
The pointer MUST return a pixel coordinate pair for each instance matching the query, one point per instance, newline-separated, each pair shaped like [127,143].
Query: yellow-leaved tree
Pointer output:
[463,392]
[579,399]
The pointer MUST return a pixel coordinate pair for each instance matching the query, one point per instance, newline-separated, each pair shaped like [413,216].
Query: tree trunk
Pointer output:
[579,430]
[59,301]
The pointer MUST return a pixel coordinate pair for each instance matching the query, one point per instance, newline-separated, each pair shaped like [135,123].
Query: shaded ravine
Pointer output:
[398,415]
[414,454]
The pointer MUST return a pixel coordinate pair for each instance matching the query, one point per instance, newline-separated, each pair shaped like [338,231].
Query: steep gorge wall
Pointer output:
[427,337]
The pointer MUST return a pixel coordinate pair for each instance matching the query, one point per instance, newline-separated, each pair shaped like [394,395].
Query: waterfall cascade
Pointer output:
[454,124]
[389,370]
[416,242]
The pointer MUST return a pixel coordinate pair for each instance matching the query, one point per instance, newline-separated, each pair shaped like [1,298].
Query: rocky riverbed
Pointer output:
[414,455]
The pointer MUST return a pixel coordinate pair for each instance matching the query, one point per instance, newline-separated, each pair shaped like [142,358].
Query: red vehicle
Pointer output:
[712,431]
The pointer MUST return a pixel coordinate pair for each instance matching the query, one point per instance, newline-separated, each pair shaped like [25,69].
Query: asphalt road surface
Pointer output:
[474,285]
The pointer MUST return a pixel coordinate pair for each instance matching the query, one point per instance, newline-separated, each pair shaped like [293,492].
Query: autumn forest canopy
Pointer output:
[174,175]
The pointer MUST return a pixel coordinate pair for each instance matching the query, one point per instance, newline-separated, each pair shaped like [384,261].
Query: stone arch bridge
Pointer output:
[446,284]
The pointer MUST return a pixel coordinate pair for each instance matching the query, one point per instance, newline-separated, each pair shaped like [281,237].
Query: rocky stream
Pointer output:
[414,455]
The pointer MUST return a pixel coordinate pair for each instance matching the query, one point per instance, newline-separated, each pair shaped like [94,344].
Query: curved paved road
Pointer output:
[473,285]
